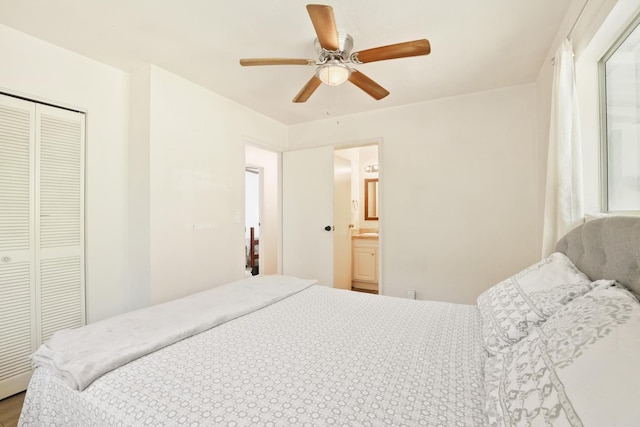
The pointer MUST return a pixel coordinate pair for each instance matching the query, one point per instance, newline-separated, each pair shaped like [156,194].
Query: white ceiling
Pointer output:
[476,45]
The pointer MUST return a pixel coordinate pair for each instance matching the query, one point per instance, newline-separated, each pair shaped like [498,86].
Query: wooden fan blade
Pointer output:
[308,90]
[325,25]
[393,51]
[276,61]
[368,85]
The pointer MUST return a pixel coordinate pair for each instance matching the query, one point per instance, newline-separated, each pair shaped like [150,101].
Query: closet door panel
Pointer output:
[60,179]
[15,335]
[60,223]
[16,185]
[17,240]
[61,294]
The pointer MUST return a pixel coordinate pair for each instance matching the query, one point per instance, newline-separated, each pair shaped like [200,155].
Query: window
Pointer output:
[620,109]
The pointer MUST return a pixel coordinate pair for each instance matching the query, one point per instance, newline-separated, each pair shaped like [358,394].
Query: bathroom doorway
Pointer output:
[356,242]
[308,218]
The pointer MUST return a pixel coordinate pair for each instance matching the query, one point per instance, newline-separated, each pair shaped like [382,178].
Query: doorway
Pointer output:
[262,198]
[309,225]
[252,178]
[356,251]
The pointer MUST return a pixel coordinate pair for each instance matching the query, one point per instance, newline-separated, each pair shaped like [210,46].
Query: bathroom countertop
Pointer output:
[367,235]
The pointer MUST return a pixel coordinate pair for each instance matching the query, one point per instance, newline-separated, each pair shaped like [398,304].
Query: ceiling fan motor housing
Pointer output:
[345,43]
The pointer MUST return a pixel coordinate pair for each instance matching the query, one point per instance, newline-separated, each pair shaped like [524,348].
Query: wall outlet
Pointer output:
[411,294]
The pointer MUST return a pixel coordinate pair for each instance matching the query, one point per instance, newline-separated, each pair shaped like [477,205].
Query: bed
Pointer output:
[272,350]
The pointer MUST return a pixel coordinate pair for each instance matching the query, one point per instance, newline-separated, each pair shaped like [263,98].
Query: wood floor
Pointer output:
[10,410]
[368,291]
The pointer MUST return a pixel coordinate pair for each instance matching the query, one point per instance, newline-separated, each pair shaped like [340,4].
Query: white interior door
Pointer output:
[307,209]
[341,221]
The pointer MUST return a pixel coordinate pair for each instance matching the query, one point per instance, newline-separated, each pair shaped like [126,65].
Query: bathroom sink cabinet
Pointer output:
[365,263]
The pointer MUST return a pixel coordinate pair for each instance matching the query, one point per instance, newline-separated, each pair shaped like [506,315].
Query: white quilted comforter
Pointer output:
[319,357]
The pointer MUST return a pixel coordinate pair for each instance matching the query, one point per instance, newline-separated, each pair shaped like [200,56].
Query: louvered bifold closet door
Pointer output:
[60,219]
[17,242]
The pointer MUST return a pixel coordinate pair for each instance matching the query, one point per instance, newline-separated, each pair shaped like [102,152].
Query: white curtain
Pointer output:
[563,201]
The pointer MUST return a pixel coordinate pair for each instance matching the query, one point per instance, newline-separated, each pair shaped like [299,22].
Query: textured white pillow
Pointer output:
[579,368]
[512,307]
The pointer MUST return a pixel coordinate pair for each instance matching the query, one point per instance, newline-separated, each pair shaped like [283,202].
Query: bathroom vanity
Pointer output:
[365,261]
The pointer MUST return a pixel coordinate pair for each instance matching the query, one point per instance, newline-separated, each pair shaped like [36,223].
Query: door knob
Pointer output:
[328,228]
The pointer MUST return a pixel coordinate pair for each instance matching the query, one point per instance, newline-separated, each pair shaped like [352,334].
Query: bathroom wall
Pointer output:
[360,157]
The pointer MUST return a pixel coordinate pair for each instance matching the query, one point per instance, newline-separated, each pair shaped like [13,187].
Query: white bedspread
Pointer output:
[318,357]
[79,356]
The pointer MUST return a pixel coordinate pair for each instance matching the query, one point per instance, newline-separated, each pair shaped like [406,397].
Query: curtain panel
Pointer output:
[564,193]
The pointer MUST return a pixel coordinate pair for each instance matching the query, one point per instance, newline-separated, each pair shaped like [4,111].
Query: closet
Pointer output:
[41,231]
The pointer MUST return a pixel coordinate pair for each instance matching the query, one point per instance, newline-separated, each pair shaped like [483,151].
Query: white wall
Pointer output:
[37,69]
[196,164]
[459,189]
[139,274]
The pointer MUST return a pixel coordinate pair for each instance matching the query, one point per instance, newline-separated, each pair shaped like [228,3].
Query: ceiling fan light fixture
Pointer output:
[333,73]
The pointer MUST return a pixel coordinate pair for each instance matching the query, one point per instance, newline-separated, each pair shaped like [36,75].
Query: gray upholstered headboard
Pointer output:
[606,248]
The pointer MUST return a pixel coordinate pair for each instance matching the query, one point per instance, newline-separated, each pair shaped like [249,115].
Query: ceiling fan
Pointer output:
[334,53]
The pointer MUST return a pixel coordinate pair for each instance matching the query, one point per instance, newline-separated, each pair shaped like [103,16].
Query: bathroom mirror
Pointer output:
[371,199]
